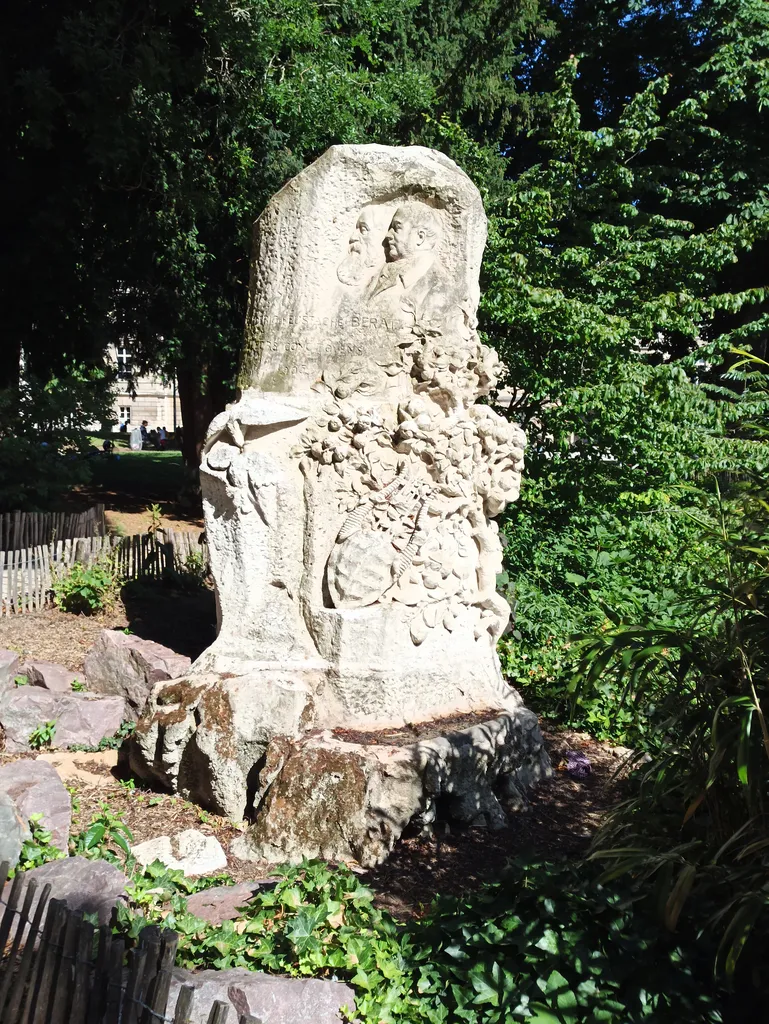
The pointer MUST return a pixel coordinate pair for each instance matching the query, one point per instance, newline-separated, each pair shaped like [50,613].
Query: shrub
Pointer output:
[42,736]
[38,849]
[545,945]
[86,589]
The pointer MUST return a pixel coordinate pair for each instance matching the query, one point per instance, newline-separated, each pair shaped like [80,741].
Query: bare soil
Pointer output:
[183,620]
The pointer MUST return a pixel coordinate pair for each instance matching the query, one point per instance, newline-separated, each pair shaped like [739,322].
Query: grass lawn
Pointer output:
[127,482]
[146,474]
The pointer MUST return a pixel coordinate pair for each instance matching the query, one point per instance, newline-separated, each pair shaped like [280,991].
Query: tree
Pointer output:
[608,294]
[144,138]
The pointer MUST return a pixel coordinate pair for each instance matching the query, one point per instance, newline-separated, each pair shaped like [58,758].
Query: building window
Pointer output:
[123,357]
[125,413]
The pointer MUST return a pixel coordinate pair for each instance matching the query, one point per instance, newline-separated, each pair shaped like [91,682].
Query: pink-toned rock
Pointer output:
[268,997]
[90,886]
[9,668]
[128,666]
[35,788]
[222,903]
[49,676]
[79,719]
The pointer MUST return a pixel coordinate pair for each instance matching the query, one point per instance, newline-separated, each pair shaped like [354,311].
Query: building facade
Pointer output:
[147,397]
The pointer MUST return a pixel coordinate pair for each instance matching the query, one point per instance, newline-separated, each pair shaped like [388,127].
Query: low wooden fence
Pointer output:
[26,575]
[66,971]
[20,530]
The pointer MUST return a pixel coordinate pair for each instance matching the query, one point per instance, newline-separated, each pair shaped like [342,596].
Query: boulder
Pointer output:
[222,903]
[80,719]
[191,852]
[90,886]
[9,668]
[271,999]
[35,788]
[14,831]
[49,676]
[128,666]
[338,799]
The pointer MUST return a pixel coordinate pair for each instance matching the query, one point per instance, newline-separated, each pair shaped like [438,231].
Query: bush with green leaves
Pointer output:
[42,735]
[545,945]
[108,742]
[87,589]
[107,837]
[44,438]
[38,849]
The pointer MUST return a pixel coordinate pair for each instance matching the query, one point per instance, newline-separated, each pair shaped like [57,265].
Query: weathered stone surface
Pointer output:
[271,999]
[9,668]
[191,852]
[349,495]
[223,903]
[35,788]
[326,797]
[14,830]
[49,676]
[91,886]
[201,736]
[79,718]
[129,667]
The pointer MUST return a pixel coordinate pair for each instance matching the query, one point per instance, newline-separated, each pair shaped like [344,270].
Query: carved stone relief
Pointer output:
[349,492]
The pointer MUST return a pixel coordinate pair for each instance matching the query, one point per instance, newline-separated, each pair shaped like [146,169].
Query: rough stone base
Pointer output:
[330,797]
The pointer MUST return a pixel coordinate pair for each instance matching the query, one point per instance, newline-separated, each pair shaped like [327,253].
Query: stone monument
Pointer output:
[349,496]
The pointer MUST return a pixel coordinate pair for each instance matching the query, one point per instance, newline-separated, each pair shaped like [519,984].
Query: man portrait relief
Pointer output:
[413,273]
[396,268]
[365,254]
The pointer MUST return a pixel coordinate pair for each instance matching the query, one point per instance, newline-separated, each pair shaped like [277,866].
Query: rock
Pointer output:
[341,801]
[14,831]
[191,852]
[90,886]
[50,676]
[129,667]
[9,668]
[271,999]
[35,788]
[222,903]
[80,718]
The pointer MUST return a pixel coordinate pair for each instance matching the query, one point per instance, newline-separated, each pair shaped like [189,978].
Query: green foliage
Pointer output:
[21,680]
[44,443]
[38,849]
[109,742]
[42,736]
[156,518]
[106,838]
[612,295]
[191,572]
[78,687]
[545,944]
[87,589]
[696,822]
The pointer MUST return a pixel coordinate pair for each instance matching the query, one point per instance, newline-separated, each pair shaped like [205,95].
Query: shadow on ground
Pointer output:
[183,620]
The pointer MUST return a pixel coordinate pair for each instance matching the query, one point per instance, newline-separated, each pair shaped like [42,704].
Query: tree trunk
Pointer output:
[199,406]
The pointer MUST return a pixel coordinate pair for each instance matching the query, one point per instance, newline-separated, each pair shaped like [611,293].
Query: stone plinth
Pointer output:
[349,797]
[350,491]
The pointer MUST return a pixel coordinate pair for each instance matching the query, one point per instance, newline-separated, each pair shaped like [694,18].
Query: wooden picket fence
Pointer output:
[66,971]
[26,575]
[21,530]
